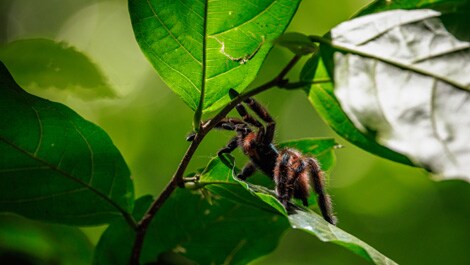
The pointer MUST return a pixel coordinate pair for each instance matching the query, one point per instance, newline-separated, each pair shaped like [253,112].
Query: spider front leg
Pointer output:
[324,200]
[248,170]
[266,135]
[232,145]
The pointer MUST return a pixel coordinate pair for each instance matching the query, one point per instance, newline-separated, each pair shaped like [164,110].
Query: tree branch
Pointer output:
[177,179]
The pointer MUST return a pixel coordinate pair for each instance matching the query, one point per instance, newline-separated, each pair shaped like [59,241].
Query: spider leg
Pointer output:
[230,124]
[247,171]
[296,177]
[232,145]
[268,133]
[282,176]
[324,200]
[242,111]
[301,185]
[264,115]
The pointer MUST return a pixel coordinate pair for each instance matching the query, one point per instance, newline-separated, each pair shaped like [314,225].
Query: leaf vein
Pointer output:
[266,9]
[171,33]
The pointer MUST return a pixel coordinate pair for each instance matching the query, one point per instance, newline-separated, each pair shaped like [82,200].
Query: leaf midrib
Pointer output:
[410,67]
[200,107]
[68,176]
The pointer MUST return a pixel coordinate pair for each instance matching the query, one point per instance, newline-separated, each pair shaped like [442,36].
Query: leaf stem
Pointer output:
[303,84]
[177,180]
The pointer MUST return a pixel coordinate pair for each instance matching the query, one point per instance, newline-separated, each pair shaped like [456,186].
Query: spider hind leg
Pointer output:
[284,177]
[323,199]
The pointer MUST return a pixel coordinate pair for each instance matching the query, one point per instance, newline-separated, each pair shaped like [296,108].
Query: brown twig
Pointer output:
[177,179]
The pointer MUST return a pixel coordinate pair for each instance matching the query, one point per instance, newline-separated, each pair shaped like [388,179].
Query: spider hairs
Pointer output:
[293,173]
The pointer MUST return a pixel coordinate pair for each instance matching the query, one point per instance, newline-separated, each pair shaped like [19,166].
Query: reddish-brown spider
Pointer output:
[291,171]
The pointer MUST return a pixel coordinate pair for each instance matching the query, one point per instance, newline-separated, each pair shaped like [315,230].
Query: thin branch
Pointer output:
[303,84]
[177,180]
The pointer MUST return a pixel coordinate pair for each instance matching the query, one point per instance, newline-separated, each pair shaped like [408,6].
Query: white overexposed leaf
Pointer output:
[405,78]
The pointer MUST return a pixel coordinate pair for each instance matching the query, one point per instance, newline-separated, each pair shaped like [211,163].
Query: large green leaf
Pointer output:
[56,166]
[225,221]
[201,49]
[218,231]
[405,82]
[23,241]
[218,178]
[47,64]
[116,242]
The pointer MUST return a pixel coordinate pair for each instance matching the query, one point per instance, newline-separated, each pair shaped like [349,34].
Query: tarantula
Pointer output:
[290,170]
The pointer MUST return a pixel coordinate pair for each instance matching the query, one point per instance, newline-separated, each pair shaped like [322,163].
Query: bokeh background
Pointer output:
[397,209]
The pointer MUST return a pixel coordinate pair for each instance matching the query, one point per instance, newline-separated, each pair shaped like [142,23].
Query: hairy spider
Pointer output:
[291,171]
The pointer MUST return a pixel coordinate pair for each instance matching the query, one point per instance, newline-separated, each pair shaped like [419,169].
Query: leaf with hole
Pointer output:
[405,81]
[55,165]
[201,49]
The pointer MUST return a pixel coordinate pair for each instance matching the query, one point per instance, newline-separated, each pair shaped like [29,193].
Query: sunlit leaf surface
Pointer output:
[406,81]
[208,47]
[56,166]
[46,64]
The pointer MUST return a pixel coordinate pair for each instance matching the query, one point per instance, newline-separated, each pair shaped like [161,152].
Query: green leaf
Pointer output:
[220,232]
[322,97]
[55,165]
[225,221]
[297,43]
[39,243]
[309,69]
[201,49]
[116,242]
[315,225]
[47,64]
[303,219]
[410,96]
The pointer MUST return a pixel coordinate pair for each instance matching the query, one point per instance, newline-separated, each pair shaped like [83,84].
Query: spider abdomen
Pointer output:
[293,174]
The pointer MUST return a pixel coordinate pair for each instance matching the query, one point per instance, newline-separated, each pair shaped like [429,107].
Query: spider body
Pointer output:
[291,171]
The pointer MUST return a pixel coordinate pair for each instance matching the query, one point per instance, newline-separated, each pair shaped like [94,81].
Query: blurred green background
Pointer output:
[397,209]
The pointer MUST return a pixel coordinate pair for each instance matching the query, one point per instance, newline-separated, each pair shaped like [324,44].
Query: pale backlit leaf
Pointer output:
[402,77]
